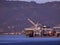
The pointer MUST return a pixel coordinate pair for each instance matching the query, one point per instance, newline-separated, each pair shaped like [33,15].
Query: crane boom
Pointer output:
[31,21]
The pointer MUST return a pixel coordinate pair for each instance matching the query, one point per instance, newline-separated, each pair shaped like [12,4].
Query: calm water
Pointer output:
[23,40]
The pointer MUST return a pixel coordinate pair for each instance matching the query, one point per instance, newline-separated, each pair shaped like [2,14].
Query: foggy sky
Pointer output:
[37,1]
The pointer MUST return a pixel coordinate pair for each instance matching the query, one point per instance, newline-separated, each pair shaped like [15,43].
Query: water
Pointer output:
[23,40]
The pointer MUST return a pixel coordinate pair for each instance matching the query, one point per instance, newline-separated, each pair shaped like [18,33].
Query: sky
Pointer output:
[37,1]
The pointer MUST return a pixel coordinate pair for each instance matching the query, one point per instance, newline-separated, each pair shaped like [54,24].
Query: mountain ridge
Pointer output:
[16,14]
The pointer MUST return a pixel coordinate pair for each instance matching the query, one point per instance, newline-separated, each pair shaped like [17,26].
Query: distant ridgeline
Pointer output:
[14,15]
[12,0]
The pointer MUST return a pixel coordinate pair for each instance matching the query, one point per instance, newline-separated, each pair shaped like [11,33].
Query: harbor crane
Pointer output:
[36,25]
[35,30]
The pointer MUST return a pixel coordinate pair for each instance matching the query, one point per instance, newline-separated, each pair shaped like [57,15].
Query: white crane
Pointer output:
[36,26]
[31,21]
[37,29]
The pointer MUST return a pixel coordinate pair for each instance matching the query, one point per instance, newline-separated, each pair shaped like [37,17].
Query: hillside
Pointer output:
[15,14]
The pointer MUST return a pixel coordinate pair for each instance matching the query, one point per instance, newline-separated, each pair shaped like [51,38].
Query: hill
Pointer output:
[14,15]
